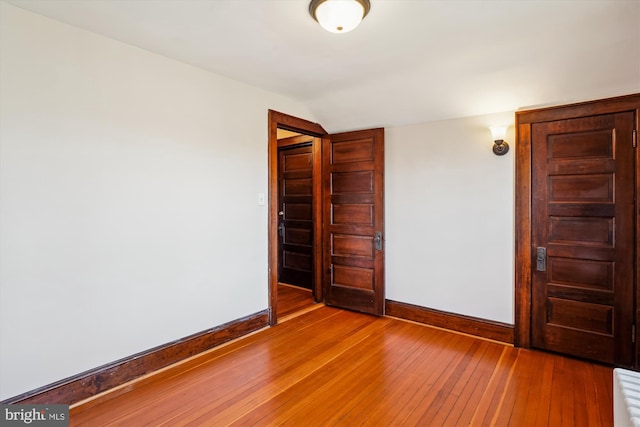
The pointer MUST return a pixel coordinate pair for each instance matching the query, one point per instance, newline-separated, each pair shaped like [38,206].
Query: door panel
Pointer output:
[583,214]
[353,164]
[295,237]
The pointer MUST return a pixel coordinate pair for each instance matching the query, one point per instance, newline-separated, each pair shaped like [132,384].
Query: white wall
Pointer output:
[449,212]
[128,213]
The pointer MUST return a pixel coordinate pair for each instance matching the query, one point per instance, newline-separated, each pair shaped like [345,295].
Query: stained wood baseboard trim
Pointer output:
[95,381]
[482,328]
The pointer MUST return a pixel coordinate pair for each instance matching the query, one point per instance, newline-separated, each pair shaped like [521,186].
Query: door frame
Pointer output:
[523,193]
[294,124]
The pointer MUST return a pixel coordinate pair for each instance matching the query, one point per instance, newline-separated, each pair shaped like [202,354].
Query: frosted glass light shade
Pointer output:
[498,132]
[500,146]
[338,16]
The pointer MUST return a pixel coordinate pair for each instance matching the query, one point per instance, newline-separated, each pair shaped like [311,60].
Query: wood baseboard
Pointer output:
[98,380]
[483,328]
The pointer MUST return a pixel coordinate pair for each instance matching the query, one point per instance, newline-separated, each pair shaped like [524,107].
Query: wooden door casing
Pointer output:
[295,182]
[353,164]
[582,208]
[351,159]
[524,248]
[277,121]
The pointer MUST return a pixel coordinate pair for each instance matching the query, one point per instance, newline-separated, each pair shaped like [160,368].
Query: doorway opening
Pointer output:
[297,218]
[295,214]
[347,211]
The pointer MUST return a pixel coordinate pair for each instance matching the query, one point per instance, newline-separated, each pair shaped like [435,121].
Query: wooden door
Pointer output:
[295,211]
[583,215]
[353,171]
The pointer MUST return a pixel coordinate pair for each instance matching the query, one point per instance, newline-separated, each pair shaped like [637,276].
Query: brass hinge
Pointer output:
[634,135]
[633,333]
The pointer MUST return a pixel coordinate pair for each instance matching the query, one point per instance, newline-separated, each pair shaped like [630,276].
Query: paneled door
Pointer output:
[353,173]
[295,222]
[583,236]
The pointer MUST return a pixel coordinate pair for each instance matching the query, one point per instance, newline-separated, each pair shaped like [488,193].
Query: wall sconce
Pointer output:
[339,16]
[500,146]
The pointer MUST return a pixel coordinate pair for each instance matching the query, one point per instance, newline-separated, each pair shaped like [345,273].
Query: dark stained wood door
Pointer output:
[295,224]
[583,214]
[353,171]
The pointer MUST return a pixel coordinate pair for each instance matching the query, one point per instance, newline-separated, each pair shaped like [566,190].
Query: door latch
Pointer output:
[281,229]
[541,259]
[378,240]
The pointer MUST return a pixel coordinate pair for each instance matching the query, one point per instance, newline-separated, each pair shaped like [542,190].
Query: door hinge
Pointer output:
[633,333]
[634,135]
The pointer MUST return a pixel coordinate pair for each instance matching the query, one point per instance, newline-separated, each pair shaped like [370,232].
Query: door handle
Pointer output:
[541,258]
[377,240]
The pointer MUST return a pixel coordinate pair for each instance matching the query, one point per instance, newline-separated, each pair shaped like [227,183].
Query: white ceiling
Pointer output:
[410,61]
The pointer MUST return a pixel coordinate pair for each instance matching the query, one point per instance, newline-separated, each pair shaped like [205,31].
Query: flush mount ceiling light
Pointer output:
[339,16]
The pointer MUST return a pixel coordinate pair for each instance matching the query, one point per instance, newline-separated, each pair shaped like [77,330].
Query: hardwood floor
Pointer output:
[331,367]
[292,299]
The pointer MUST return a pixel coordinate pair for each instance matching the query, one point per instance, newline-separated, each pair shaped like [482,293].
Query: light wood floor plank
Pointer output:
[490,406]
[292,299]
[330,367]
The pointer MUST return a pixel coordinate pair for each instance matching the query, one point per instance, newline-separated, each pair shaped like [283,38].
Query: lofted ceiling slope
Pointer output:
[410,61]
